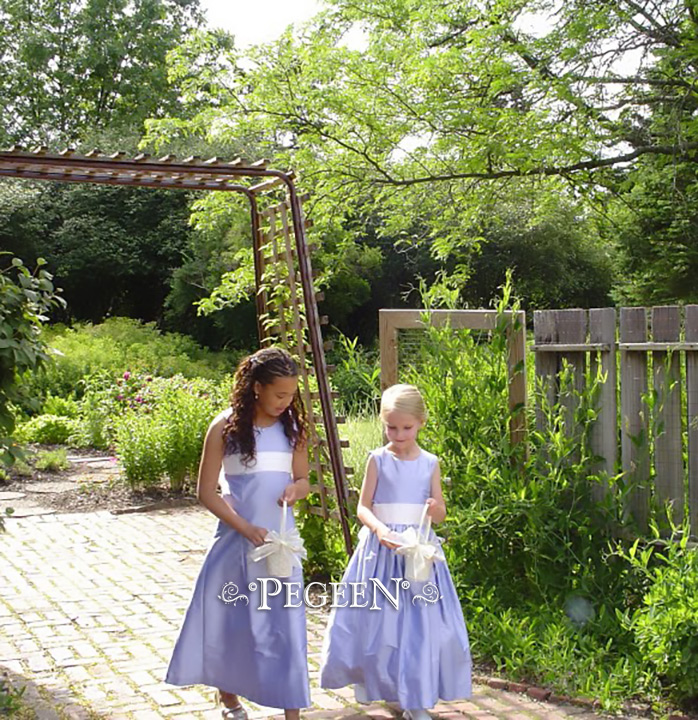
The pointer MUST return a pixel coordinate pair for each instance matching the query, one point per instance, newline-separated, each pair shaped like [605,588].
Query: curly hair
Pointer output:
[264,367]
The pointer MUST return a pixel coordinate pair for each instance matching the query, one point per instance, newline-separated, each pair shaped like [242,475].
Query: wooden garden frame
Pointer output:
[391,321]
[237,176]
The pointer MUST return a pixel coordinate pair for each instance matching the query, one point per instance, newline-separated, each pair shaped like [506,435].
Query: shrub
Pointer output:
[115,346]
[25,300]
[164,435]
[47,429]
[356,377]
[139,443]
[65,407]
[666,624]
[184,417]
[98,408]
[52,460]
[22,469]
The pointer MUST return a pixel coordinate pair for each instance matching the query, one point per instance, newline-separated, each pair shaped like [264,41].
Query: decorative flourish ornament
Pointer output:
[229,595]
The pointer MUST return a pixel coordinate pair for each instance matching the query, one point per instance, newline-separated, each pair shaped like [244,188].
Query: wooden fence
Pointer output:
[653,369]
[391,321]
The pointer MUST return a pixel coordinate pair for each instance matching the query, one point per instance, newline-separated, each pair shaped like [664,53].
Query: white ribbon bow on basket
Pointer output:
[420,552]
[283,550]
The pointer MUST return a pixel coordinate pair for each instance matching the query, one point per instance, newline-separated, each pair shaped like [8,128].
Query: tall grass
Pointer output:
[364,433]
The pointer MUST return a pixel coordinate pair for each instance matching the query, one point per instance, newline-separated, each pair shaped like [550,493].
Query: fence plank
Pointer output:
[516,356]
[666,327]
[572,328]
[604,433]
[634,431]
[388,349]
[692,415]
[544,332]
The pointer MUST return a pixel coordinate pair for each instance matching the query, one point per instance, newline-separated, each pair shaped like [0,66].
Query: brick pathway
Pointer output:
[90,605]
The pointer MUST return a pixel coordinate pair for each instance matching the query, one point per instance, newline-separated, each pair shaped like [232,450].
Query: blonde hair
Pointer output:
[405,399]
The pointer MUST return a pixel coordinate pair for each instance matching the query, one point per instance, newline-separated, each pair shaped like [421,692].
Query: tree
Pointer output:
[656,226]
[25,299]
[449,108]
[71,66]
[113,249]
[462,91]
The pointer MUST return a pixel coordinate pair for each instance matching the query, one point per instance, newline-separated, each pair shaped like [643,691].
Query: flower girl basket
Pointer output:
[420,552]
[283,550]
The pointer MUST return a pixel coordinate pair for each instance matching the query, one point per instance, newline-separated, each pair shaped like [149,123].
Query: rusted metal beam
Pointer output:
[315,333]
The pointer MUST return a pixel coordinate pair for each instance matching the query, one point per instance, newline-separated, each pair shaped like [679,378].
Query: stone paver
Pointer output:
[90,605]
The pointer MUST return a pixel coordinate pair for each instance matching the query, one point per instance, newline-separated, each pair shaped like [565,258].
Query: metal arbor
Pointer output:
[286,300]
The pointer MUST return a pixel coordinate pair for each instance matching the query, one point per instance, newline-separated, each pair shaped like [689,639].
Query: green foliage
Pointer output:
[540,644]
[98,406]
[25,298]
[212,290]
[140,449]
[552,245]
[113,249]
[165,436]
[47,429]
[656,227]
[67,68]
[364,433]
[185,413]
[52,460]
[10,697]
[66,407]
[22,469]
[356,377]
[116,346]
[666,624]
[325,545]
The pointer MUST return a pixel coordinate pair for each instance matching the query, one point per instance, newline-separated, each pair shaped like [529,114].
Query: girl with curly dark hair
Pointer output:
[257,451]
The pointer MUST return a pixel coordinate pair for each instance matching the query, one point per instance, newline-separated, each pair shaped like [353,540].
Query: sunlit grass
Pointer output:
[364,434]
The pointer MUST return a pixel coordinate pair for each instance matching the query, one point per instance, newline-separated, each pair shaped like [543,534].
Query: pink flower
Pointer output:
[127,375]
[119,397]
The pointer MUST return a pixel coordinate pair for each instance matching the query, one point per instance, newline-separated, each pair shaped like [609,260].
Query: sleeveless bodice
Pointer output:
[254,489]
[403,481]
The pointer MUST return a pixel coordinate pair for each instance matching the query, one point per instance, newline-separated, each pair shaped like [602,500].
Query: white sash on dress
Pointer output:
[399,513]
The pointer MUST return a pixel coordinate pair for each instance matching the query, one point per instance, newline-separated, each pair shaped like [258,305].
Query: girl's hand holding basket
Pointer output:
[420,552]
[283,550]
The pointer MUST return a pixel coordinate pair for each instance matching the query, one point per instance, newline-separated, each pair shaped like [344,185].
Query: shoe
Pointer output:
[417,714]
[231,713]
[236,713]
[361,695]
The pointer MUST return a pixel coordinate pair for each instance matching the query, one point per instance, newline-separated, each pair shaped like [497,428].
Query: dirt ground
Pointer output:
[92,482]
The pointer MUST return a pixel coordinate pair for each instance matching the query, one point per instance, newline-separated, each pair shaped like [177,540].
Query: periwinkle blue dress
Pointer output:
[234,646]
[418,653]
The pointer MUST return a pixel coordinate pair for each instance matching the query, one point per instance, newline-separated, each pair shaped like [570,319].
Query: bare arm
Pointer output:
[209,469]
[300,487]
[437,504]
[365,509]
